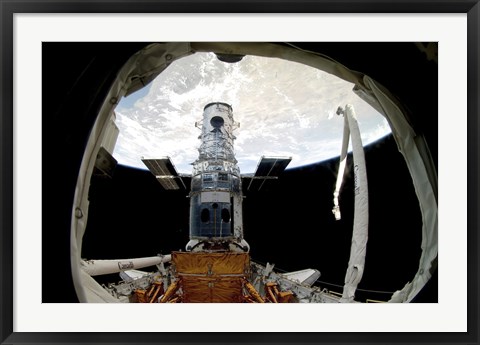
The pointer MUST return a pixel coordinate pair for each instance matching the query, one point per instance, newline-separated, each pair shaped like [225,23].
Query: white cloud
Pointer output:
[283,108]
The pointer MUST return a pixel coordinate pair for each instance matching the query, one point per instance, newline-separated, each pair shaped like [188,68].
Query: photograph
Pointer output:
[228,177]
[288,173]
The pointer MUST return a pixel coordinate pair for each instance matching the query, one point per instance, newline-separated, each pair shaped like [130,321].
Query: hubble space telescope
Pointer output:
[216,189]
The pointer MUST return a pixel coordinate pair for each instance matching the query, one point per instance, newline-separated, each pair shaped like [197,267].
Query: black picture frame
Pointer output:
[9,8]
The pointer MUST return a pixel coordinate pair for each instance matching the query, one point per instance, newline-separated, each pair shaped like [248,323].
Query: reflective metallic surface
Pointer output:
[216,190]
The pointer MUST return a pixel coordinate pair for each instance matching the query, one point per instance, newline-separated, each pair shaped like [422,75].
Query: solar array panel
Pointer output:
[165,172]
[268,168]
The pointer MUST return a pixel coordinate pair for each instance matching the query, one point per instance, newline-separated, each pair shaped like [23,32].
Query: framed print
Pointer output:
[171,152]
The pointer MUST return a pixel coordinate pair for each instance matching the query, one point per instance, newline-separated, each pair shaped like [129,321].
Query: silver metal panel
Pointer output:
[215,197]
